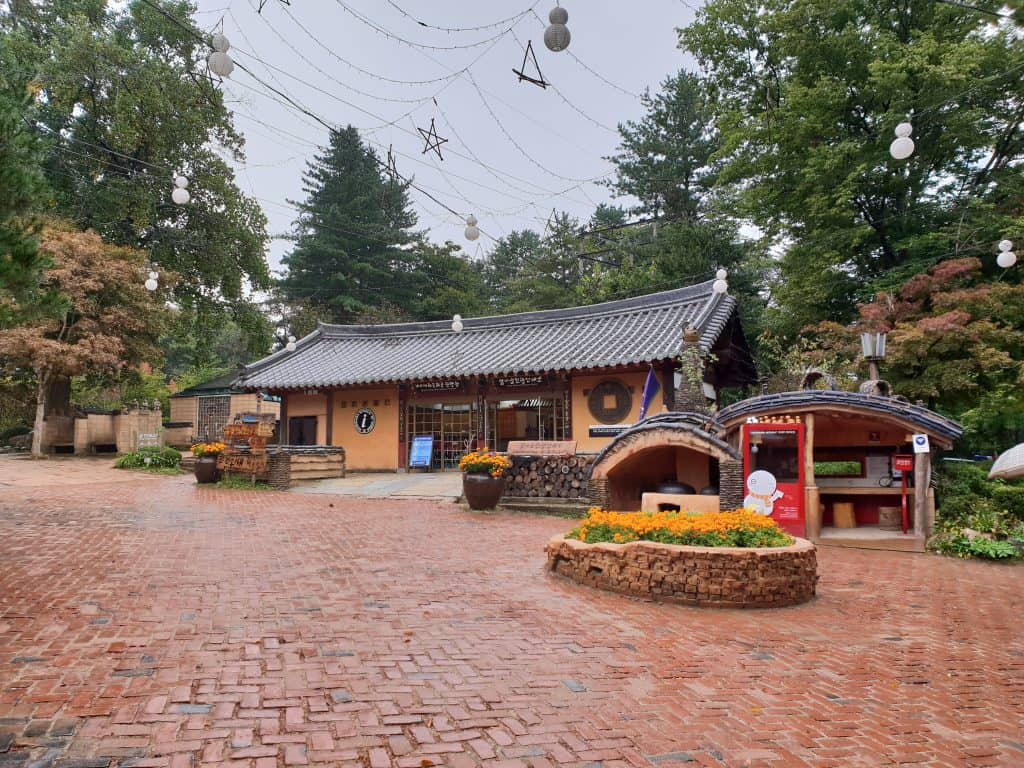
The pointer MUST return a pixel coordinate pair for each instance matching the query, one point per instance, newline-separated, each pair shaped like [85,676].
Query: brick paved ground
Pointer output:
[152,623]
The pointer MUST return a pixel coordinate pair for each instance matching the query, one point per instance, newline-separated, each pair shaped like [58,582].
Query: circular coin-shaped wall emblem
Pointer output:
[365,420]
[610,402]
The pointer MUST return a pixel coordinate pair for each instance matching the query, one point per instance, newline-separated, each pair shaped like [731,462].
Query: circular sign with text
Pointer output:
[365,420]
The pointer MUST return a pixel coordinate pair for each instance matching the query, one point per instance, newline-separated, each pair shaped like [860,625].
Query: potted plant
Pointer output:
[483,478]
[206,461]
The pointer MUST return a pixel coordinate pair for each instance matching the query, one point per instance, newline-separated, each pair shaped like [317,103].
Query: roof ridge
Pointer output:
[518,319]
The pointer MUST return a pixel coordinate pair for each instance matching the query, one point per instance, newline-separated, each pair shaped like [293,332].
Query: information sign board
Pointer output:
[421,450]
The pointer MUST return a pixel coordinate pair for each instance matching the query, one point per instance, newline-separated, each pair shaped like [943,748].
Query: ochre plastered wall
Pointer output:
[379,449]
[582,419]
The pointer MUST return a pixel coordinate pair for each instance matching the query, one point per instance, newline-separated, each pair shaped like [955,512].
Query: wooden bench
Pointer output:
[541,448]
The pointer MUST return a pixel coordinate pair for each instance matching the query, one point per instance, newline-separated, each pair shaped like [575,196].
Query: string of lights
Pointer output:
[583,64]
[501,23]
[425,46]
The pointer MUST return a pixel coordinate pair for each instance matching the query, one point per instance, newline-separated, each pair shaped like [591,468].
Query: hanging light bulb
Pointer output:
[181,182]
[556,37]
[220,43]
[1006,257]
[471,233]
[180,195]
[902,146]
[457,323]
[220,64]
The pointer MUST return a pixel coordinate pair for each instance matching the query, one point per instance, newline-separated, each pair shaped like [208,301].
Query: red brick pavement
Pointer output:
[156,624]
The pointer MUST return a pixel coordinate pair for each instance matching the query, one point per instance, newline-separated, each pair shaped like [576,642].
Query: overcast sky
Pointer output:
[536,152]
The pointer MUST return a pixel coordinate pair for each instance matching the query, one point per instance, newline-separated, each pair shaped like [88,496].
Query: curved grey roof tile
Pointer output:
[630,331]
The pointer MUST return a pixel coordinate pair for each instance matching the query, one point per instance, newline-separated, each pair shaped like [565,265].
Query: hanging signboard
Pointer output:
[515,382]
[921,444]
[148,440]
[608,430]
[442,385]
[421,451]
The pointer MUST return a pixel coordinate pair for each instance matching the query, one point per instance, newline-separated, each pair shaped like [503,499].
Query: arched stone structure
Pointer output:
[679,447]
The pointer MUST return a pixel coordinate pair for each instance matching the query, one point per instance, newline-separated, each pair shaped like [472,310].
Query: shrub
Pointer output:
[978,546]
[741,528]
[1009,498]
[158,458]
[10,432]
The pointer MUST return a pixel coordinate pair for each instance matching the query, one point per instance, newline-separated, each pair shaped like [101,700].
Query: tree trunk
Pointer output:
[37,434]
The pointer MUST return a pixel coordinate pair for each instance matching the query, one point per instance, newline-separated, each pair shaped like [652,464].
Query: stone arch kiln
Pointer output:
[675,448]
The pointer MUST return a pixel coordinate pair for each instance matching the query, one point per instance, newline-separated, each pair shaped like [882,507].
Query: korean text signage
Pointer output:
[607,430]
[443,385]
[148,440]
[515,382]
[421,450]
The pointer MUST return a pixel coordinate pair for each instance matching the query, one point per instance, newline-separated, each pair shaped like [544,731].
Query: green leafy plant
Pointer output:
[837,469]
[150,458]
[239,483]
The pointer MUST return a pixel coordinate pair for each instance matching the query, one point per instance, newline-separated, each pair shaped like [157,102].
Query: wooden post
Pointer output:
[922,483]
[812,498]
[282,426]
[330,417]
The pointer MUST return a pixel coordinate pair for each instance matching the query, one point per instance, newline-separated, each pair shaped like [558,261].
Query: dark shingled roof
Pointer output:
[637,330]
[222,385]
[926,421]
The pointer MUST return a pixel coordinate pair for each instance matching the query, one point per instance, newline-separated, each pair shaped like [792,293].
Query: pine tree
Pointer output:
[352,236]
[21,186]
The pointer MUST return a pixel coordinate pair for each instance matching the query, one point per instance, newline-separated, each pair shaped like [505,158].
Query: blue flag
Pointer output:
[651,389]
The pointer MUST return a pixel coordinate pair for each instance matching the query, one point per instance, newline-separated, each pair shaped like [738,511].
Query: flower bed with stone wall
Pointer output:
[724,577]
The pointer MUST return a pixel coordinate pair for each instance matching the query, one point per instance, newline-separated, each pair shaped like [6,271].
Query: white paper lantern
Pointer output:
[456,317]
[721,274]
[220,43]
[151,284]
[181,182]
[220,64]
[290,346]
[1006,259]
[154,275]
[719,286]
[902,146]
[556,36]
[1005,245]
[457,324]
[471,220]
[291,339]
[180,196]
[472,233]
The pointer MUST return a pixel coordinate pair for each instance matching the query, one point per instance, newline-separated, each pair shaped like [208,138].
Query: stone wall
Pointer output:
[730,484]
[723,577]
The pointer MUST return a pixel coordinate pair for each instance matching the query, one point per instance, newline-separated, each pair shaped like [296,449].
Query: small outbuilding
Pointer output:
[199,413]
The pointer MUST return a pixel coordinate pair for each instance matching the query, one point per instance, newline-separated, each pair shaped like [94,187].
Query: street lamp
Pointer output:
[873,346]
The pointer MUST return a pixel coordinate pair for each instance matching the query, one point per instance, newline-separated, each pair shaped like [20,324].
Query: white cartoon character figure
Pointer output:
[763,492]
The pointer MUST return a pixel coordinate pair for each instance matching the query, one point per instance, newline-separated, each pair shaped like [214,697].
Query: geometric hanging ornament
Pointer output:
[527,55]
[434,141]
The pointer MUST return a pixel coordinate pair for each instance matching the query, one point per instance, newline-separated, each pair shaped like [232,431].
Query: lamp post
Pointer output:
[873,346]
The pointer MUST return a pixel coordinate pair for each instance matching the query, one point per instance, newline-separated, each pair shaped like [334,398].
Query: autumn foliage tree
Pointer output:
[105,321]
[956,342]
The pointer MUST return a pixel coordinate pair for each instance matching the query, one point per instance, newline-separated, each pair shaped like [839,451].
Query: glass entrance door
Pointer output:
[453,427]
[542,418]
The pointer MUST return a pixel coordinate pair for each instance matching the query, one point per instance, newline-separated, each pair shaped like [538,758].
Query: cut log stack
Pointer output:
[555,477]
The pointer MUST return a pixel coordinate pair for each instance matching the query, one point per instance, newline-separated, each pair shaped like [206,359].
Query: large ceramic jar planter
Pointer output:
[481,490]
[206,470]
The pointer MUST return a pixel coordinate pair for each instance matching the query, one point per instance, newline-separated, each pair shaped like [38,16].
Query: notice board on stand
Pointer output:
[421,451]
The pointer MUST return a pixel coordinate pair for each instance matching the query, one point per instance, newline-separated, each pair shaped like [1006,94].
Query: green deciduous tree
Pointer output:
[124,105]
[807,94]
[353,236]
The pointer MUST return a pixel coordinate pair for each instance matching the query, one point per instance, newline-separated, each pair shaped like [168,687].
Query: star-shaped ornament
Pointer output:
[434,141]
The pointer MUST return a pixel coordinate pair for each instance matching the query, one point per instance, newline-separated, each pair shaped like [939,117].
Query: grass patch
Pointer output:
[238,483]
[157,470]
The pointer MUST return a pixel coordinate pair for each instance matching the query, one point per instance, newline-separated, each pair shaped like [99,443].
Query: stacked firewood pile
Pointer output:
[557,477]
